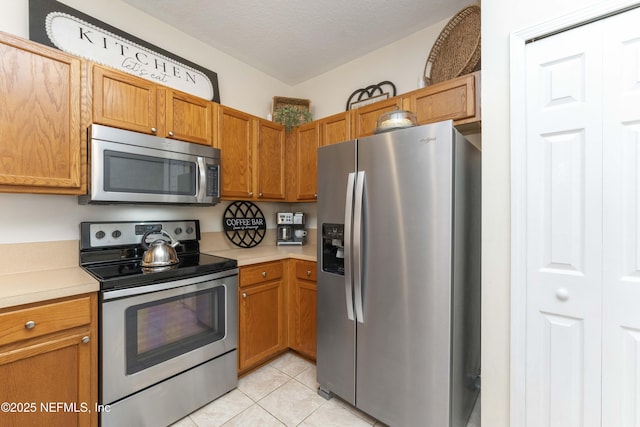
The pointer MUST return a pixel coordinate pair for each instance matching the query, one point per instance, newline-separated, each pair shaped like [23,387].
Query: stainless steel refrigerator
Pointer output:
[399,278]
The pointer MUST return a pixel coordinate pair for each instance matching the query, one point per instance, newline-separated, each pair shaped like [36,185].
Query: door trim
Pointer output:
[518,126]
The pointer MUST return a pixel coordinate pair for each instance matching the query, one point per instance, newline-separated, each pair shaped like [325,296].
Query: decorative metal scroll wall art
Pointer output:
[369,95]
[244,224]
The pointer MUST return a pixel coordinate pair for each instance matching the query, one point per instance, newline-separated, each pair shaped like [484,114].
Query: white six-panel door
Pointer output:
[583,226]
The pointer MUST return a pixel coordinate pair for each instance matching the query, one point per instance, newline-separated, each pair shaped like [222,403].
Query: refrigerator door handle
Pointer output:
[357,245]
[348,218]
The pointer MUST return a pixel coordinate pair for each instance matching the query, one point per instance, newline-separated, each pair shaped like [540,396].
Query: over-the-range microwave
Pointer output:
[132,167]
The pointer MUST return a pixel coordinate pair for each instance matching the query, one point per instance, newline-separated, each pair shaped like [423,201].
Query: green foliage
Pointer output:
[291,116]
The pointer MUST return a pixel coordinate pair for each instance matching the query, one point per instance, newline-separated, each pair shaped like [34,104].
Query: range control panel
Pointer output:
[106,234]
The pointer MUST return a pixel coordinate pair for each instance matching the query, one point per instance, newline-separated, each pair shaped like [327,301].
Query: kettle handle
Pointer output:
[145,245]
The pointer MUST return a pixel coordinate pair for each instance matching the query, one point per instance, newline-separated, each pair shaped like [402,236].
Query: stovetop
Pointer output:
[112,253]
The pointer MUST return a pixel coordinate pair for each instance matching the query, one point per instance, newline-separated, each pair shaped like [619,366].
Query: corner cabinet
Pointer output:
[48,357]
[302,155]
[252,156]
[41,148]
[133,103]
[262,326]
[302,307]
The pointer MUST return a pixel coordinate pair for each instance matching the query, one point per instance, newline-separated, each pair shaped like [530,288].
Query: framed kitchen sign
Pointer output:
[57,25]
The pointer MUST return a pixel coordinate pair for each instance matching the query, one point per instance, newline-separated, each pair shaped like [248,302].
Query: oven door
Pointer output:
[159,333]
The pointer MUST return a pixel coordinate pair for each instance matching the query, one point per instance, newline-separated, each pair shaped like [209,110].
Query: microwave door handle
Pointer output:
[201,182]
[348,218]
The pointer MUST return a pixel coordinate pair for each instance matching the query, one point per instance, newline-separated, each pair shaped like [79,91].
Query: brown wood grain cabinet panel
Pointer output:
[303,162]
[271,161]
[365,118]
[335,128]
[302,307]
[40,115]
[262,330]
[124,101]
[58,365]
[235,140]
[188,118]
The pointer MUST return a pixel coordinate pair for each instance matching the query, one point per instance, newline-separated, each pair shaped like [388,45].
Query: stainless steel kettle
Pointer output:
[159,253]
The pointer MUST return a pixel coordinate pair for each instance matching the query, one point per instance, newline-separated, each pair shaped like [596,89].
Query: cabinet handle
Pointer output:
[250,193]
[86,339]
[30,324]
[562,294]
[170,133]
[308,273]
[315,196]
[244,295]
[154,130]
[264,274]
[259,194]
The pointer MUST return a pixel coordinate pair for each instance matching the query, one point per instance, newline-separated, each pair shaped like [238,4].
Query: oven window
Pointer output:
[134,173]
[160,330]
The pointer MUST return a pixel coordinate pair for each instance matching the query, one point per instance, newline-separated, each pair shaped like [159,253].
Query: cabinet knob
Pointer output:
[259,194]
[250,193]
[308,273]
[315,196]
[264,274]
[562,294]
[86,339]
[244,295]
[154,130]
[30,324]
[170,133]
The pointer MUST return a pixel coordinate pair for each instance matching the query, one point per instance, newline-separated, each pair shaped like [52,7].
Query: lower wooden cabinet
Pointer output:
[262,313]
[302,307]
[48,363]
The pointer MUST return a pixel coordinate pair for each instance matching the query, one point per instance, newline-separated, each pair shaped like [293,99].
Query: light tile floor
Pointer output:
[281,393]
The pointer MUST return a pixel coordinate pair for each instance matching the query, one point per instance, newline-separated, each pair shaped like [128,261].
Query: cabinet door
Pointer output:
[187,117]
[124,101]
[336,128]
[302,308]
[49,373]
[271,160]
[304,162]
[235,140]
[365,118]
[261,326]
[453,99]
[40,135]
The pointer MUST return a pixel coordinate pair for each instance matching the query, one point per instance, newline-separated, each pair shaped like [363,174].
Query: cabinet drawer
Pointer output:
[259,273]
[306,270]
[44,319]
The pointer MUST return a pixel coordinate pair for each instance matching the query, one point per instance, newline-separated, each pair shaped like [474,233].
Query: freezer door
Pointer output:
[335,358]
[403,345]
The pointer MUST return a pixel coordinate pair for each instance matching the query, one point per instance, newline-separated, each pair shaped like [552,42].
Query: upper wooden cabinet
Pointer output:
[128,102]
[365,119]
[335,128]
[456,99]
[41,149]
[302,155]
[252,156]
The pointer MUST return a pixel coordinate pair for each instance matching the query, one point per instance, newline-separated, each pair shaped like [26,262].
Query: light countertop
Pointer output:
[57,275]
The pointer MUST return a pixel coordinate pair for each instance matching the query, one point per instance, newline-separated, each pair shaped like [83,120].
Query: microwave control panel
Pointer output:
[213,180]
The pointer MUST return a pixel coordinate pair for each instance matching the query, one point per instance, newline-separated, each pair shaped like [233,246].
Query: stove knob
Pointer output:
[189,230]
[100,234]
[177,230]
[116,233]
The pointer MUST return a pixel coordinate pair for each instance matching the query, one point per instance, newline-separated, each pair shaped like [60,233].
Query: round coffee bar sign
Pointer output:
[244,224]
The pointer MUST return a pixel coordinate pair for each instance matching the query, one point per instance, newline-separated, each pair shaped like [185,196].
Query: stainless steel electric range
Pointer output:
[168,335]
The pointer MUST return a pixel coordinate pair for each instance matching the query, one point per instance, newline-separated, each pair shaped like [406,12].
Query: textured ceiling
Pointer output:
[295,40]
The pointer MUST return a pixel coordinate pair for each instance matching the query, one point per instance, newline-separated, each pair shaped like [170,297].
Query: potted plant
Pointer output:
[290,116]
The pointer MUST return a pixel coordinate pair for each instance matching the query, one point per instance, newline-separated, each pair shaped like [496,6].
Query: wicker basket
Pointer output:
[457,49]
